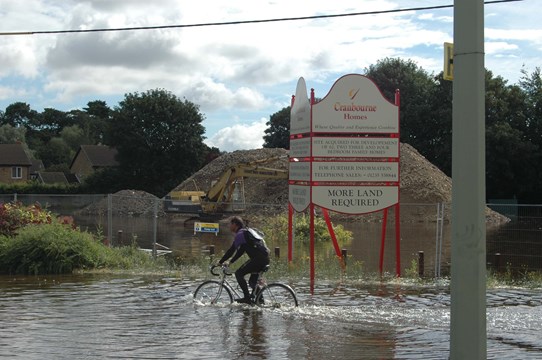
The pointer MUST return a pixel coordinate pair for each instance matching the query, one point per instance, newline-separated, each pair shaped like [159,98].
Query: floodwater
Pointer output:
[154,317]
[365,246]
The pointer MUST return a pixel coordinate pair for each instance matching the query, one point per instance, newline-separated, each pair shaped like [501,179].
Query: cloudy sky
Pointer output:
[238,74]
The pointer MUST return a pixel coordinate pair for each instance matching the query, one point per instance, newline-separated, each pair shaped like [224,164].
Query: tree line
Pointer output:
[159,137]
[513,125]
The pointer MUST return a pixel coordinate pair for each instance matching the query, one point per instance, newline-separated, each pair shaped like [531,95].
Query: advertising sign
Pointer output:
[300,171]
[351,171]
[300,148]
[355,147]
[299,196]
[300,114]
[355,199]
[355,105]
[206,227]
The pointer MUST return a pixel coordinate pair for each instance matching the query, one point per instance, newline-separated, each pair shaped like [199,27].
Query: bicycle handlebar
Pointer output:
[223,267]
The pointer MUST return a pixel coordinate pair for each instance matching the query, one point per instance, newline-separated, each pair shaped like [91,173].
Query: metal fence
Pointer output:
[425,231]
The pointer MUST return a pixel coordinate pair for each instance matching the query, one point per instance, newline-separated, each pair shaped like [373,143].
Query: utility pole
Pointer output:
[468,334]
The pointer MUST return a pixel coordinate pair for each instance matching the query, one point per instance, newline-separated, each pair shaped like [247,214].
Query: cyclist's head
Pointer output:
[237,221]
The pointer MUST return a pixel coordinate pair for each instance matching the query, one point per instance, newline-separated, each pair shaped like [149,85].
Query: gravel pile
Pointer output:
[422,186]
[257,191]
[421,183]
[126,203]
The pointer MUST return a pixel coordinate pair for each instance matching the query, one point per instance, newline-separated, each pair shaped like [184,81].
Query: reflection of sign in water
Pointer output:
[206,227]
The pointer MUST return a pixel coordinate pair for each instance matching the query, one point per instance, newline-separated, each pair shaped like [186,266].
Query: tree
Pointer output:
[532,87]
[55,152]
[11,135]
[278,131]
[96,122]
[74,137]
[19,114]
[416,89]
[510,163]
[159,139]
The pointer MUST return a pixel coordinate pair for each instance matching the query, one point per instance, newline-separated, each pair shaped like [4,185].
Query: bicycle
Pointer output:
[265,295]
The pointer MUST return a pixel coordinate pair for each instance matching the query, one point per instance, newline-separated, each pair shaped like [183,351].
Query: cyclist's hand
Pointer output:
[226,264]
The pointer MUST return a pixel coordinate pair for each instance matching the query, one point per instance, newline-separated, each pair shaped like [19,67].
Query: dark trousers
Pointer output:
[252,267]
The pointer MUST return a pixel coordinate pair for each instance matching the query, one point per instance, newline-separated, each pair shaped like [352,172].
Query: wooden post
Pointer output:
[277,252]
[498,265]
[344,253]
[421,264]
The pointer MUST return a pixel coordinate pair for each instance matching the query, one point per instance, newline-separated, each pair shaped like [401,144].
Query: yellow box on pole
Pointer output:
[448,61]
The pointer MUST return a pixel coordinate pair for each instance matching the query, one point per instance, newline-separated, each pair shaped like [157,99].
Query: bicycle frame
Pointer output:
[267,295]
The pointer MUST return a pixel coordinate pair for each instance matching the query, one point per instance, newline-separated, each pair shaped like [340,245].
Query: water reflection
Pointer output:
[153,317]
[365,246]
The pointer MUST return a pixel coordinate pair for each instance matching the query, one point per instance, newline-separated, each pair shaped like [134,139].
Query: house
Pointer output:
[36,168]
[52,177]
[15,164]
[90,158]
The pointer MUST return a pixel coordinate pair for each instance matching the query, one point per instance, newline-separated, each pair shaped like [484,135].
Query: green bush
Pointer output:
[15,215]
[49,249]
[33,187]
[276,230]
[57,249]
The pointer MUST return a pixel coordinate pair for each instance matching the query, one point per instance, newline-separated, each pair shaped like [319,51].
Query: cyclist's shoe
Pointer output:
[244,300]
[261,301]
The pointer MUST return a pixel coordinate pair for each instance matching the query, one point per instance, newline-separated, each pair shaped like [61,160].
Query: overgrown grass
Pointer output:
[57,248]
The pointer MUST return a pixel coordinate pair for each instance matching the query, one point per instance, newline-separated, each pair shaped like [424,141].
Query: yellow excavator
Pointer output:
[226,194]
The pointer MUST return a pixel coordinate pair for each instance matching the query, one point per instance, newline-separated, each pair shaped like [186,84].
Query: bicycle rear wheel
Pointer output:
[275,296]
[213,292]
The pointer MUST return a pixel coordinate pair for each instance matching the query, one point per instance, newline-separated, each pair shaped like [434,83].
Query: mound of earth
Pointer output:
[422,185]
[126,203]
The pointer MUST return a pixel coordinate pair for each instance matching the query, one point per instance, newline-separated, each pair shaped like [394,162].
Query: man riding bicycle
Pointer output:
[257,252]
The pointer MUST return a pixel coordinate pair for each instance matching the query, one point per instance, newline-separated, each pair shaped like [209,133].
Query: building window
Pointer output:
[16,172]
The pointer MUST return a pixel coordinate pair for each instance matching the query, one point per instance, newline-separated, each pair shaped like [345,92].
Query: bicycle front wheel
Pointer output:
[276,296]
[213,292]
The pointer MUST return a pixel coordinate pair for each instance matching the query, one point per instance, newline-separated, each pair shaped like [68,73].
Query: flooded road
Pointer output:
[154,317]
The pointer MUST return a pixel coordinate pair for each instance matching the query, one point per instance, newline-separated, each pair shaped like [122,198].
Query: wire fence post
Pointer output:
[110,218]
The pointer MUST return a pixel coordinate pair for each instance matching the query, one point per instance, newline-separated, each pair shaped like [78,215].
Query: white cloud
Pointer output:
[248,71]
[239,136]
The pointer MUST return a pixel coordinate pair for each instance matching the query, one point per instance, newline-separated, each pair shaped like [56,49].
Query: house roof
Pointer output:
[72,178]
[97,155]
[13,155]
[52,177]
[37,166]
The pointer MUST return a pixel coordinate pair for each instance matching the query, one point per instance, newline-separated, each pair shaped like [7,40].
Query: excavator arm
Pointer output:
[220,194]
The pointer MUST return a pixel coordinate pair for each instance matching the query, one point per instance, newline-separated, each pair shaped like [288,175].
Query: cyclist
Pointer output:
[257,252]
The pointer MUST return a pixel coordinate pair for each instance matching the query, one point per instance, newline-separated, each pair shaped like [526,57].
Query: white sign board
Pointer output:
[355,171]
[300,148]
[300,171]
[354,147]
[299,196]
[355,199]
[355,105]
[300,114]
